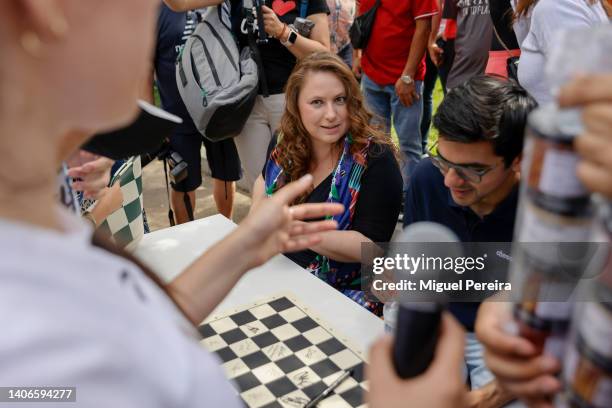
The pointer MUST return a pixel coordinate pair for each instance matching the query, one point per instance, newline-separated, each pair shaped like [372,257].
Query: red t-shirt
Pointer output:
[450,29]
[385,56]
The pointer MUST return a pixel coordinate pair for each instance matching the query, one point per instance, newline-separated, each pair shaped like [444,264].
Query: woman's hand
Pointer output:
[93,172]
[514,360]
[441,386]
[593,93]
[274,27]
[271,226]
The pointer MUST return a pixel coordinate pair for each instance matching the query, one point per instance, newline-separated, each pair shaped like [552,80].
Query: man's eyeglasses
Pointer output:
[467,173]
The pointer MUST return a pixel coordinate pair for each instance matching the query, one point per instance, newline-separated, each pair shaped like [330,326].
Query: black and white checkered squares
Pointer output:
[279,356]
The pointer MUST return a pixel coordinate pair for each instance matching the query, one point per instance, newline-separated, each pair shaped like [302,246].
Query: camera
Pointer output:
[303,26]
[178,166]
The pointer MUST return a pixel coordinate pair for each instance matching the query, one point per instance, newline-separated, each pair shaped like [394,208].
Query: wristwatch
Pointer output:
[291,39]
[407,79]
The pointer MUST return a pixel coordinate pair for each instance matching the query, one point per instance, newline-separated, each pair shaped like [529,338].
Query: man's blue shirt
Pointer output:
[428,199]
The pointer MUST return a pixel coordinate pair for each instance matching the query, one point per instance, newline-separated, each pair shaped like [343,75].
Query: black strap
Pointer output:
[263,84]
[503,44]
[170,213]
[188,206]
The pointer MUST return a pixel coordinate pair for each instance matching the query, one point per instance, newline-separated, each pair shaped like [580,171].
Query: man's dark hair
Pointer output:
[486,108]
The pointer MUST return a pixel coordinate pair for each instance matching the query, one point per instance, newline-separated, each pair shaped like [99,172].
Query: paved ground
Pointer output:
[156,199]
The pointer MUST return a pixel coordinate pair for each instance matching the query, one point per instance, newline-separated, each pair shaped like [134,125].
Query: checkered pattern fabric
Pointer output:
[279,356]
[125,226]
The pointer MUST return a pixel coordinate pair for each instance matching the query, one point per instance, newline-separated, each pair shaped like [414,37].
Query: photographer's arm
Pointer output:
[319,37]
[184,5]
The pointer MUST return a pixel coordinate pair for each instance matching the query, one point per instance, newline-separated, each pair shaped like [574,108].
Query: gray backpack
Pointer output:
[217,83]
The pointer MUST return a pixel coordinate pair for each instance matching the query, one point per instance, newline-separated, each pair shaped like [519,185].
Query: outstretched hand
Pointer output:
[92,173]
[272,228]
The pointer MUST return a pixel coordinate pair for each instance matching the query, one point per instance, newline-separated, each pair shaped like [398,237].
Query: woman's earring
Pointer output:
[59,27]
[30,42]
[33,45]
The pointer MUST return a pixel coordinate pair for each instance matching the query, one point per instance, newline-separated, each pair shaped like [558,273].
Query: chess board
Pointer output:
[278,354]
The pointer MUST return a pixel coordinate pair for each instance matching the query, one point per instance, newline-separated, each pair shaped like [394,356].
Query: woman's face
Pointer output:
[323,107]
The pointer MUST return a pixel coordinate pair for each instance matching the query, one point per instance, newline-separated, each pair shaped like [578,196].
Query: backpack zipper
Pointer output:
[196,77]
[210,61]
[225,49]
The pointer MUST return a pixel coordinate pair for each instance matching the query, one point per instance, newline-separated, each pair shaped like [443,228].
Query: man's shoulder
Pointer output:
[427,176]
[427,197]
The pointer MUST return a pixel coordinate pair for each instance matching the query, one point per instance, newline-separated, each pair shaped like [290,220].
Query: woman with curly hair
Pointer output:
[325,131]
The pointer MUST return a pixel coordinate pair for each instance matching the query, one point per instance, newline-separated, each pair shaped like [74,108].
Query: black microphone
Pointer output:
[417,325]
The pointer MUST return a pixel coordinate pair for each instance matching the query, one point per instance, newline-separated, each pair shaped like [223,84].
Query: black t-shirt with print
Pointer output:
[278,61]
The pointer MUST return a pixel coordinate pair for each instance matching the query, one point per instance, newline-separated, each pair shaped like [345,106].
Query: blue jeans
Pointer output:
[385,104]
[476,370]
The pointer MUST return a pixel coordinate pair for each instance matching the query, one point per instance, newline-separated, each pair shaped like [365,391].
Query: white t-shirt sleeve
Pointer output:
[551,16]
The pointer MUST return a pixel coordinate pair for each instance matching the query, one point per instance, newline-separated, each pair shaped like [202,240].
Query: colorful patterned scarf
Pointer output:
[345,186]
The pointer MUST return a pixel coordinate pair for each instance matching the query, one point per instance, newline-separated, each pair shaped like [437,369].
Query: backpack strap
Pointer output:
[303,8]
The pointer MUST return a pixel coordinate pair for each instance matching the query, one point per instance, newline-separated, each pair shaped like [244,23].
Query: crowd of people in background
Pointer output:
[337,134]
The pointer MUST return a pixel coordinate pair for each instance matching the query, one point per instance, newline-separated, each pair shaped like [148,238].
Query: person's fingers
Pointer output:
[380,370]
[594,149]
[315,210]
[291,191]
[76,172]
[92,185]
[587,89]
[82,171]
[521,368]
[99,165]
[81,158]
[448,360]
[312,227]
[93,169]
[538,402]
[538,388]
[597,119]
[301,243]
[407,100]
[489,329]
[595,178]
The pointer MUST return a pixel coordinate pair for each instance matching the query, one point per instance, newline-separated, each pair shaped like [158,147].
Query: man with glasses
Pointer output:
[470,185]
